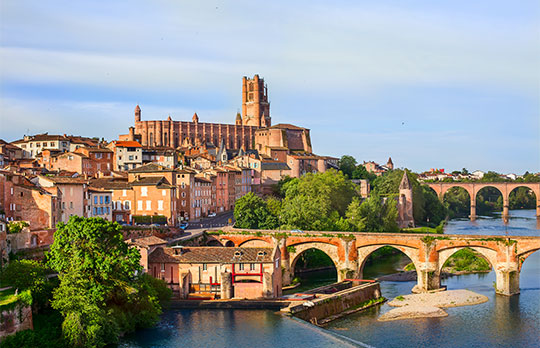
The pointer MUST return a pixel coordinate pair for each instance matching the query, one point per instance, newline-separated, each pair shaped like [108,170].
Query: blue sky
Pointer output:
[434,85]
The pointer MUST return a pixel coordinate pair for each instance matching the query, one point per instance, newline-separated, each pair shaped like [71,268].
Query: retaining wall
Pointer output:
[336,303]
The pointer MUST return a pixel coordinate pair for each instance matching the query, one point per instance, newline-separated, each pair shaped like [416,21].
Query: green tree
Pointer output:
[426,206]
[360,172]
[354,216]
[317,201]
[378,214]
[347,164]
[97,272]
[251,211]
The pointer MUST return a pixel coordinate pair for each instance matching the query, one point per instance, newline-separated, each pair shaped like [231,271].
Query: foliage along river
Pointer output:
[501,322]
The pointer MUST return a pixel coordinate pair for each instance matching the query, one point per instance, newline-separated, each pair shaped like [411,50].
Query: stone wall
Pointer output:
[336,303]
[14,320]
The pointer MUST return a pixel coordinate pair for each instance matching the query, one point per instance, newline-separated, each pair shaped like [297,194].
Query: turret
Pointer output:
[195,118]
[238,119]
[137,114]
[390,164]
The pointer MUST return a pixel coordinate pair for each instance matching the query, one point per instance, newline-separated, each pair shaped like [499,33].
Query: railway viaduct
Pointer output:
[428,252]
[474,187]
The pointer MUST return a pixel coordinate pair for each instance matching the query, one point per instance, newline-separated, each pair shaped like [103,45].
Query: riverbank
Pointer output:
[428,305]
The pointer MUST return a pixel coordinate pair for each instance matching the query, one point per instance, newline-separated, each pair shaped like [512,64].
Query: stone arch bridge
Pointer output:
[505,188]
[428,252]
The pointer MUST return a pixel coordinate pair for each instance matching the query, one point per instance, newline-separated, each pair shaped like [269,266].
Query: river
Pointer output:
[500,322]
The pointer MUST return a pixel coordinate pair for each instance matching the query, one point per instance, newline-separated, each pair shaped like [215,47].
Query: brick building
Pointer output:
[73,193]
[218,272]
[22,200]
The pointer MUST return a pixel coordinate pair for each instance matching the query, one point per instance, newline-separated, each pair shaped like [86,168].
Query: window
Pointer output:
[148,205]
[183,203]
[52,143]
[160,205]
[163,192]
[99,155]
[251,266]
[162,267]
[95,211]
[106,199]
[100,199]
[144,191]
[139,205]
[241,267]
[130,157]
[107,209]
[127,205]
[63,205]
[123,192]
[70,205]
[204,267]
[45,144]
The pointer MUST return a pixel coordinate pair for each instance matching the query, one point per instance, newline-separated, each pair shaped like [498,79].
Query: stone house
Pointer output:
[218,272]
[99,204]
[73,193]
[127,155]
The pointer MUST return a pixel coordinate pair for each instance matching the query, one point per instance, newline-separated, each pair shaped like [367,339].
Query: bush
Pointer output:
[16,226]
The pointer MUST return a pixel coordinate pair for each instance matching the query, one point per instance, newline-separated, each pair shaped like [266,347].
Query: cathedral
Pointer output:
[255,115]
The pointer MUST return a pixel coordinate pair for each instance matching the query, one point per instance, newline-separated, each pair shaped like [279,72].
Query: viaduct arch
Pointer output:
[428,252]
[505,188]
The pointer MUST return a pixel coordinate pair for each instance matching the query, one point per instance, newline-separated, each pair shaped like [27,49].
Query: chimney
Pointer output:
[178,249]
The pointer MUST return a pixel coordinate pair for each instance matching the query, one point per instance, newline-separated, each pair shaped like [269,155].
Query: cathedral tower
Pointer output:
[137,113]
[255,105]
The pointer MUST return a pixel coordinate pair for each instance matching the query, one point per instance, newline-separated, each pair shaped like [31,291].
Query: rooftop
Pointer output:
[211,255]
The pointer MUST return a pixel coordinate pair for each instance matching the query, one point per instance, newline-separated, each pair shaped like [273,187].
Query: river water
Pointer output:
[500,322]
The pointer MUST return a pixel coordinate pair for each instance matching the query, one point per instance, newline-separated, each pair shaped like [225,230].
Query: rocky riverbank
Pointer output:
[428,305]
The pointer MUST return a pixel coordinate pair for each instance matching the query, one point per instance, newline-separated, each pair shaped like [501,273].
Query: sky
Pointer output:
[453,84]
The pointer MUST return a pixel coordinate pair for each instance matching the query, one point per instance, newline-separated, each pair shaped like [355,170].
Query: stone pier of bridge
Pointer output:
[428,253]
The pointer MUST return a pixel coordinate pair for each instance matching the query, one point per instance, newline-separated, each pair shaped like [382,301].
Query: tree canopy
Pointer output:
[100,294]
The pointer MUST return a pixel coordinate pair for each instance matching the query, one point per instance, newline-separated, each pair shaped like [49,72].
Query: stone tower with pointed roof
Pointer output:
[405,202]
[390,164]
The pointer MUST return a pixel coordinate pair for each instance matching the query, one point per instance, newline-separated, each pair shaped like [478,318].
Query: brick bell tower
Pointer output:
[255,105]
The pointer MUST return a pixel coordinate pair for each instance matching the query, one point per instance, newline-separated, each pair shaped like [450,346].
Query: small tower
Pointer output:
[405,203]
[238,119]
[390,164]
[137,114]
[255,105]
[195,118]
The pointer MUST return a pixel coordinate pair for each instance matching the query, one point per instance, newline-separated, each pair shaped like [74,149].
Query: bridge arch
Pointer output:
[255,243]
[487,254]
[536,196]
[296,250]
[365,251]
[523,256]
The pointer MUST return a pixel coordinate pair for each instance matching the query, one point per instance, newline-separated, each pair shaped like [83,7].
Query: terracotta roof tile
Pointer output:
[211,255]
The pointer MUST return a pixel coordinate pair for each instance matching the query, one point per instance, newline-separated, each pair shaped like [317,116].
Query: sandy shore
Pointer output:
[428,305]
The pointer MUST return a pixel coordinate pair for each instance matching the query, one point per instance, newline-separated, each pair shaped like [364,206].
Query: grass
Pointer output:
[7,297]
